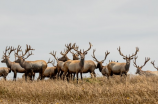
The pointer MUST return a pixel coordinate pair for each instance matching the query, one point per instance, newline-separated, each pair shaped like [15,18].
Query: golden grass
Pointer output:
[136,90]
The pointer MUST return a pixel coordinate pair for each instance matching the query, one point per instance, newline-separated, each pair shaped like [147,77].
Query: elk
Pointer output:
[78,66]
[120,68]
[14,67]
[102,68]
[61,60]
[30,66]
[4,71]
[152,62]
[139,68]
[50,71]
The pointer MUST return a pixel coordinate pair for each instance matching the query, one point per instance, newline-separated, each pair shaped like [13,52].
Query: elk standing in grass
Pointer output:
[120,68]
[50,72]
[15,67]
[102,69]
[30,66]
[60,61]
[78,66]
[139,68]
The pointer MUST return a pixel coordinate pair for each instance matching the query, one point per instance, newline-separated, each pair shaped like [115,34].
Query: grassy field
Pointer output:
[133,90]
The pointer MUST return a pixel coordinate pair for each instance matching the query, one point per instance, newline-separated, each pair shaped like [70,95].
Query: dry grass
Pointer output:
[98,91]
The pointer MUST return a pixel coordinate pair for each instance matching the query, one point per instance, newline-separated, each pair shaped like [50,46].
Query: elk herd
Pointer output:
[66,67]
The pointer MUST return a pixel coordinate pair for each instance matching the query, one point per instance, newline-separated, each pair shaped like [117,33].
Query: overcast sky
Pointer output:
[49,25]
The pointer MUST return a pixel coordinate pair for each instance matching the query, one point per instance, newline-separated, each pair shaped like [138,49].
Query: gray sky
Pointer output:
[107,24]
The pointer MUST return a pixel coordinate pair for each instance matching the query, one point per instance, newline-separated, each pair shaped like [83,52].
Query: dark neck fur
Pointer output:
[82,62]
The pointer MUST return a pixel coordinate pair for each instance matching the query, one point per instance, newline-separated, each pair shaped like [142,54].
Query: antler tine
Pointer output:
[120,52]
[134,62]
[5,53]
[146,60]
[49,61]
[137,49]
[53,63]
[88,48]
[11,50]
[54,54]
[28,48]
[152,62]
[18,49]
[106,54]
[72,52]
[94,58]
[29,54]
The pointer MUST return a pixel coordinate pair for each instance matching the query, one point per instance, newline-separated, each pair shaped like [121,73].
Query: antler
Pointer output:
[69,47]
[134,61]
[120,52]
[137,49]
[11,50]
[106,54]
[28,48]
[88,48]
[94,58]
[152,62]
[18,49]
[54,54]
[52,62]
[146,60]
[29,54]
[5,55]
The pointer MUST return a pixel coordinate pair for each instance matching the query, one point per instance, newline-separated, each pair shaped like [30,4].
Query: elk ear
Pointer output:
[124,58]
[131,58]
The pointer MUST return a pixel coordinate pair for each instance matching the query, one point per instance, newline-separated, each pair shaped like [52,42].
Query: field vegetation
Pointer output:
[133,90]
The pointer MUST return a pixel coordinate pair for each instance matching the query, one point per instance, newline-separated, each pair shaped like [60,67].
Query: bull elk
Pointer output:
[120,68]
[60,61]
[30,66]
[77,66]
[139,68]
[15,67]
[50,72]
[102,69]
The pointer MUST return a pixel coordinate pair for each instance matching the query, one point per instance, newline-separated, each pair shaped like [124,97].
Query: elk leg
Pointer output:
[33,75]
[77,77]
[26,76]
[15,75]
[81,75]
[67,76]
[74,77]
[5,78]
[61,73]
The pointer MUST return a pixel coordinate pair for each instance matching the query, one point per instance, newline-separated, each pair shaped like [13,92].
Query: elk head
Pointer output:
[64,54]
[75,56]
[152,62]
[128,58]
[5,57]
[99,63]
[21,57]
[139,68]
[82,54]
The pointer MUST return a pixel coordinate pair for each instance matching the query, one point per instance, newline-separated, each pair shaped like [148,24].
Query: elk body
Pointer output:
[14,67]
[77,66]
[38,66]
[120,68]
[50,72]
[102,69]
[4,71]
